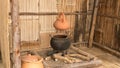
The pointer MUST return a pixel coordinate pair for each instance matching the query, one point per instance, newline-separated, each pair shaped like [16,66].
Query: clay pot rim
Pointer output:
[58,34]
[60,37]
[40,59]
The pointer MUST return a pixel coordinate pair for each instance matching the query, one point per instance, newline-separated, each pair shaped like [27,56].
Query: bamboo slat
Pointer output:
[109,17]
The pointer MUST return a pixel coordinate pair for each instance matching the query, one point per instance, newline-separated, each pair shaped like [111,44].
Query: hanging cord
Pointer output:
[30,27]
[39,26]
[26,28]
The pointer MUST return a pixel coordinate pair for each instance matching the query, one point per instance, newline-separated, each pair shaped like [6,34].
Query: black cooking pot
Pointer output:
[60,42]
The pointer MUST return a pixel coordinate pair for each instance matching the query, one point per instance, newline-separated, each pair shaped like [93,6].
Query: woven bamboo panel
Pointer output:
[36,27]
[107,28]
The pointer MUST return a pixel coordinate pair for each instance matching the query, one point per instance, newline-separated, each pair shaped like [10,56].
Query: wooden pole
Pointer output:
[16,34]
[53,13]
[94,18]
[4,34]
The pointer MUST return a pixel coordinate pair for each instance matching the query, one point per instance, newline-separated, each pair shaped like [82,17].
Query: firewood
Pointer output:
[58,56]
[83,53]
[73,59]
[80,56]
[79,51]
[48,58]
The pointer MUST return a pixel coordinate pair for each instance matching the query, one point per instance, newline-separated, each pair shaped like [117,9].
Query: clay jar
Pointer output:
[61,23]
[32,61]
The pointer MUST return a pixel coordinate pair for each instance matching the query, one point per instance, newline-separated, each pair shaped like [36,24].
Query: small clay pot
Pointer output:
[32,61]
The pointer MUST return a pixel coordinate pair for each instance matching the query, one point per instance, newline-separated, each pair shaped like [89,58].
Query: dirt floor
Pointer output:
[109,61]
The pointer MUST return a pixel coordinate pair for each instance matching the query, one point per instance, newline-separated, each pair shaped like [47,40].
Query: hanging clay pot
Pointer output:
[32,61]
[61,23]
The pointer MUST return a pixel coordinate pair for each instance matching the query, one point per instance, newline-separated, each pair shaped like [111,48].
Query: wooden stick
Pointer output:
[83,53]
[94,18]
[79,51]
[73,59]
[58,56]
[16,34]
[80,56]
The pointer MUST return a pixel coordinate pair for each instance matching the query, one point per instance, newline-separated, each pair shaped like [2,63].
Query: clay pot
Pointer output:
[60,42]
[32,61]
[61,23]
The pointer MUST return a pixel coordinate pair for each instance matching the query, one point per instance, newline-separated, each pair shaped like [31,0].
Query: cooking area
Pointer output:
[59,33]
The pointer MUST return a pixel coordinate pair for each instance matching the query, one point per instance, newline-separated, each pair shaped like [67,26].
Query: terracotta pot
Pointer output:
[32,61]
[61,23]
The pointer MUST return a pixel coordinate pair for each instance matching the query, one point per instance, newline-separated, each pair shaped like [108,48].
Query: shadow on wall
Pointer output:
[0,51]
[117,36]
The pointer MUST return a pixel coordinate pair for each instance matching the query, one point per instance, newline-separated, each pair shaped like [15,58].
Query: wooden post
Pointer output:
[4,33]
[94,18]
[16,34]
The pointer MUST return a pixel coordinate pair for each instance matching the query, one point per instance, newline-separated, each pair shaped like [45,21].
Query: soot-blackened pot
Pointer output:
[60,42]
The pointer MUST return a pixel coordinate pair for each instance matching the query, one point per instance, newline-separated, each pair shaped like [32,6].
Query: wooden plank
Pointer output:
[94,18]
[16,34]
[4,35]
[85,64]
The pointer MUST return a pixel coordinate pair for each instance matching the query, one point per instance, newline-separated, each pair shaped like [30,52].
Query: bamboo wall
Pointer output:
[107,30]
[38,27]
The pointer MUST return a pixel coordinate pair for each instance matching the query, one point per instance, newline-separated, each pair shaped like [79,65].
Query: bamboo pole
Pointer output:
[94,18]
[16,34]
[53,13]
